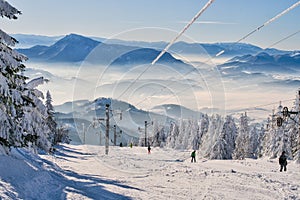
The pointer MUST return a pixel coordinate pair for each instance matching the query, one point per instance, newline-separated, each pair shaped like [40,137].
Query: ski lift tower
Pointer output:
[145,129]
[106,128]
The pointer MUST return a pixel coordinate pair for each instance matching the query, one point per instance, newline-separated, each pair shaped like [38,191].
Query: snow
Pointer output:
[85,172]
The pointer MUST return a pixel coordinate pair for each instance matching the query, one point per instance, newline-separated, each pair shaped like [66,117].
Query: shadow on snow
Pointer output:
[31,177]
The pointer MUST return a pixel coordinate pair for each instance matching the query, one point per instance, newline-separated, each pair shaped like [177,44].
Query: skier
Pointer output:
[193,155]
[282,161]
[131,145]
[149,149]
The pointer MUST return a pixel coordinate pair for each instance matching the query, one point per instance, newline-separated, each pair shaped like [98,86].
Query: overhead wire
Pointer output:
[235,43]
[285,38]
[264,24]
[263,105]
[183,90]
[168,46]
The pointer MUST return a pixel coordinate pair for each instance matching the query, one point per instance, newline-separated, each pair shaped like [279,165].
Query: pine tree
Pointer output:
[172,136]
[22,112]
[61,135]
[255,137]
[211,137]
[196,135]
[204,124]
[11,83]
[159,137]
[242,139]
[34,125]
[225,143]
[295,134]
[278,138]
[50,118]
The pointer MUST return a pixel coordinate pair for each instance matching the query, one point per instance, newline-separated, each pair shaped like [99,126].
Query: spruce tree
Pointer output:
[21,110]
[225,144]
[172,136]
[50,118]
[242,139]
[12,84]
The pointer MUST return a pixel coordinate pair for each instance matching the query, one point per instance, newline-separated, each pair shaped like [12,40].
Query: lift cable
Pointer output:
[235,43]
[168,46]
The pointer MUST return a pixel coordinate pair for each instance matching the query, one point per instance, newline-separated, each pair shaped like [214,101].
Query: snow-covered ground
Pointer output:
[85,172]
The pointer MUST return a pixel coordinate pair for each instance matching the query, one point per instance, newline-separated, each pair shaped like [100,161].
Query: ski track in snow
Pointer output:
[85,172]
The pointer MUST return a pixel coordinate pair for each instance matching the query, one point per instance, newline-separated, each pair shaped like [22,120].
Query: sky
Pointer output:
[156,20]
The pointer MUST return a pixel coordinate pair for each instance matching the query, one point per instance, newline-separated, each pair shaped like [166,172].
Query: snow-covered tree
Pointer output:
[50,117]
[172,136]
[22,112]
[142,141]
[34,125]
[179,142]
[11,83]
[278,138]
[210,138]
[204,124]
[61,135]
[292,128]
[158,138]
[294,134]
[225,144]
[256,133]
[242,139]
[195,135]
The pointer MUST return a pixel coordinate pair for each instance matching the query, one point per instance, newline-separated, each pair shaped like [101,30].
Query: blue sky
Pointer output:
[154,20]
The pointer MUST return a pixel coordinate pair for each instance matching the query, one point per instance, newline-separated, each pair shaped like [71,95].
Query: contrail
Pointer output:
[169,45]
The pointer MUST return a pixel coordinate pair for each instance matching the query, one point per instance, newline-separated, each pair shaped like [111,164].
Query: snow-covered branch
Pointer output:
[36,82]
[7,10]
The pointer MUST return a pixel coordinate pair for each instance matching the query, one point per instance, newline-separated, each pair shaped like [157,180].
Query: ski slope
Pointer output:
[85,172]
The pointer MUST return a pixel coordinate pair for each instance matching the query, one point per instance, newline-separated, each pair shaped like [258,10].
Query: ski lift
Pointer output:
[285,112]
[279,121]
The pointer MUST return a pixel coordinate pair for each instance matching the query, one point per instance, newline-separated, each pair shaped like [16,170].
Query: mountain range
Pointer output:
[248,66]
[76,48]
[82,113]
[263,63]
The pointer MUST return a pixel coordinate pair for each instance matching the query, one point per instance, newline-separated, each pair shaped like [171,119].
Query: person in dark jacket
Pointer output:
[193,155]
[149,149]
[282,161]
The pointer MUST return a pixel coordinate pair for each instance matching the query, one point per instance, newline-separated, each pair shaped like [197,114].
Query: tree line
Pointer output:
[217,137]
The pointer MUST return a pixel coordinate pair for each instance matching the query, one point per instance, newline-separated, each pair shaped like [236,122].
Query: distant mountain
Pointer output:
[144,55]
[176,111]
[28,41]
[75,114]
[284,83]
[214,48]
[71,48]
[76,48]
[69,107]
[153,45]
[263,63]
[230,49]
